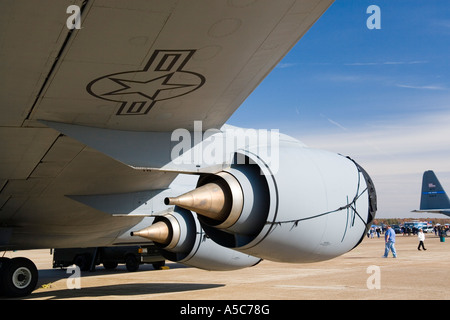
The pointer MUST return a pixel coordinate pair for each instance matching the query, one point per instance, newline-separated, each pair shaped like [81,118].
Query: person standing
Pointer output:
[421,237]
[389,238]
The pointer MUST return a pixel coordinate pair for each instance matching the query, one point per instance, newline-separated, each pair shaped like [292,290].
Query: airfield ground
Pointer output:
[360,274]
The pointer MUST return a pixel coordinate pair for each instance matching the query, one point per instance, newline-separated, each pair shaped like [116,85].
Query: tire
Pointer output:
[19,277]
[158,265]
[83,262]
[131,263]
[110,265]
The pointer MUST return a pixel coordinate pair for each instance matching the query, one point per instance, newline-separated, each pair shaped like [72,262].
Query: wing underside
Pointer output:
[135,66]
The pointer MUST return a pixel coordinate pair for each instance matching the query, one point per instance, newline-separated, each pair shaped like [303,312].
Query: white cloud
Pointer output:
[428,87]
[386,63]
[284,65]
[395,153]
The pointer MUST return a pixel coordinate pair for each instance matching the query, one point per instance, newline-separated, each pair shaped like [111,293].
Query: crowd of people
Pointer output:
[372,231]
[439,230]
[390,235]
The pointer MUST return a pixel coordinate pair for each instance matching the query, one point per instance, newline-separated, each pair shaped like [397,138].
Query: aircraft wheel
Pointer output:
[82,261]
[158,265]
[131,263]
[18,277]
[110,265]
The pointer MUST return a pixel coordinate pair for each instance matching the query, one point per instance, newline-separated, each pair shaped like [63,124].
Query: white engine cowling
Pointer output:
[185,242]
[315,206]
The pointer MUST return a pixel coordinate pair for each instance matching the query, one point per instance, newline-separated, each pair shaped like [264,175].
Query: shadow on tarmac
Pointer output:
[121,290]
[48,276]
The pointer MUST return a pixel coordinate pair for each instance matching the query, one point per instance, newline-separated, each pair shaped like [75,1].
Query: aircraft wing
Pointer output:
[142,65]
[437,211]
[133,65]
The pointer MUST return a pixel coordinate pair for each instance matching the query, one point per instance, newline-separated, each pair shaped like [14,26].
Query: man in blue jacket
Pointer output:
[389,238]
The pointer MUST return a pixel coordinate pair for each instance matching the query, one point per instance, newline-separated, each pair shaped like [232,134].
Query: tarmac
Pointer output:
[361,274]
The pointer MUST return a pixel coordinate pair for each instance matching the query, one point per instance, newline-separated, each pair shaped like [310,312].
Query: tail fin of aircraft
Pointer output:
[433,195]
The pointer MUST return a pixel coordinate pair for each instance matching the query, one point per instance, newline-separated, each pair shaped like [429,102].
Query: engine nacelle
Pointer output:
[181,239]
[312,205]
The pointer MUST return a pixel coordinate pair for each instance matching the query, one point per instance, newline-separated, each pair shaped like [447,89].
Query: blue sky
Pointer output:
[380,96]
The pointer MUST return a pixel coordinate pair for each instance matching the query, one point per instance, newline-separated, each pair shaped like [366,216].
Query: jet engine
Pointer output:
[301,205]
[180,238]
[311,205]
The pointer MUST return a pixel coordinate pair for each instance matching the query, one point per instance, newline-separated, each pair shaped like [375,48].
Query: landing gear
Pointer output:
[132,263]
[18,277]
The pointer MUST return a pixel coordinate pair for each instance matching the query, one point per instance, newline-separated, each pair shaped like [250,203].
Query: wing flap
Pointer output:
[32,34]
[23,149]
